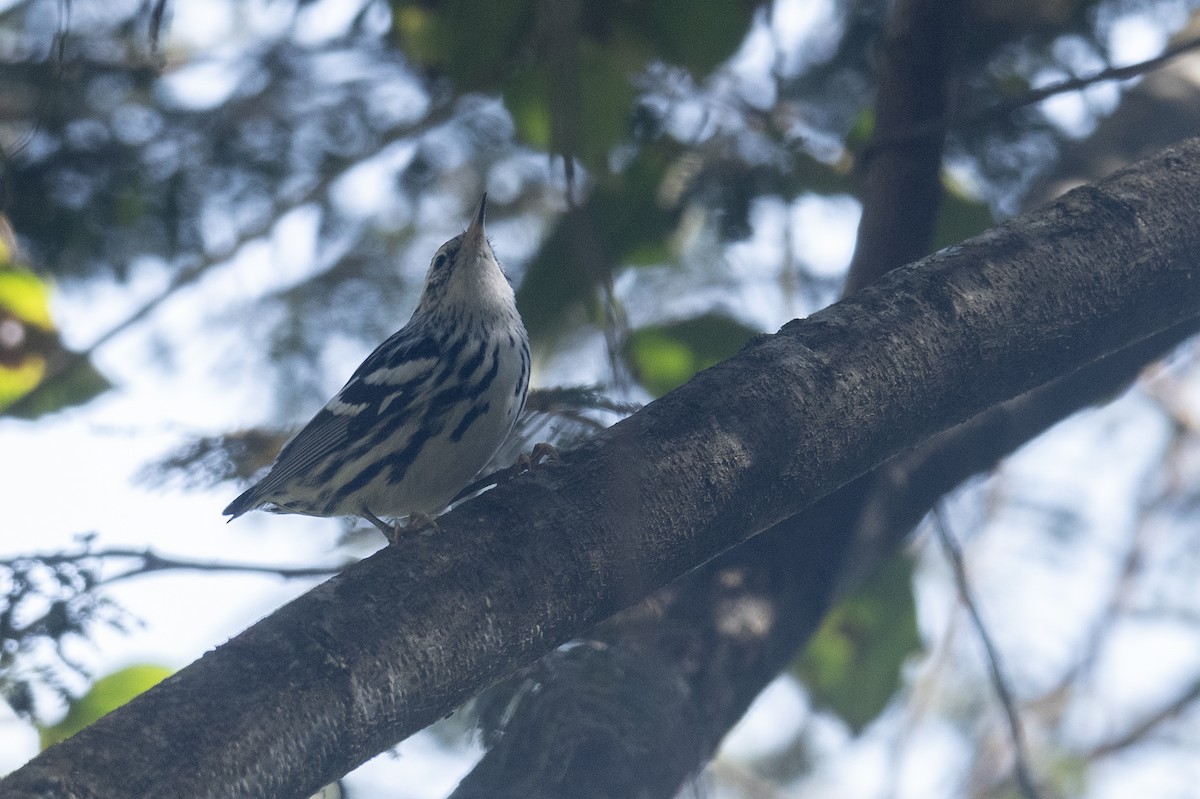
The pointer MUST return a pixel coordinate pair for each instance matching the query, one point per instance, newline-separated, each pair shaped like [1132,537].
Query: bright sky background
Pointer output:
[75,473]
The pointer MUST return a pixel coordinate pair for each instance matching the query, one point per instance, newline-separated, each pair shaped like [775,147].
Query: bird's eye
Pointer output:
[440,261]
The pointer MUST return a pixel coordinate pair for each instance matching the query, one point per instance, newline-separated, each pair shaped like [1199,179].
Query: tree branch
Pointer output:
[709,630]
[1127,72]
[794,570]
[954,556]
[400,639]
[902,186]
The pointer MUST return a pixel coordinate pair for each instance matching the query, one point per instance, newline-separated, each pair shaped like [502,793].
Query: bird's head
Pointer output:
[465,276]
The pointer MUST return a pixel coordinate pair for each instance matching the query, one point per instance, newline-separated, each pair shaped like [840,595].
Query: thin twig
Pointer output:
[153,562]
[1035,96]
[917,132]
[1003,693]
[1147,725]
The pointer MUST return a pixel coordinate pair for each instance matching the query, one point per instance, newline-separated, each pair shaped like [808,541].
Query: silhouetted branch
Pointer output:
[1035,96]
[919,130]
[954,557]
[1150,723]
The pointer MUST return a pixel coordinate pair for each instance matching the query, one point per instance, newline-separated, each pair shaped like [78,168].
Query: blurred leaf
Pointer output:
[861,131]
[621,222]
[567,71]
[960,217]
[107,694]
[19,379]
[821,178]
[477,44]
[23,294]
[853,664]
[679,32]
[29,344]
[30,347]
[666,356]
[77,384]
[27,337]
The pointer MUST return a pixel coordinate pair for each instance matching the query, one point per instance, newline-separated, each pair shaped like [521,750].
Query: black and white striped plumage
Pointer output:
[424,412]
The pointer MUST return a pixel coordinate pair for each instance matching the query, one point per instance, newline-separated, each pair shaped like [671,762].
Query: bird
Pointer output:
[423,414]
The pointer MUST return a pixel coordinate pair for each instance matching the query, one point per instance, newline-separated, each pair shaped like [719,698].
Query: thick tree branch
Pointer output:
[400,639]
[706,630]
[727,629]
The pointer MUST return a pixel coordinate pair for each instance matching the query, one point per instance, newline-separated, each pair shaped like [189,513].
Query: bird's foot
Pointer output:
[415,523]
[542,453]
[421,523]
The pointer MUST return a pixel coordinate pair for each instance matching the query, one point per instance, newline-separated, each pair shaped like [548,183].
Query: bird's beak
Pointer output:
[474,233]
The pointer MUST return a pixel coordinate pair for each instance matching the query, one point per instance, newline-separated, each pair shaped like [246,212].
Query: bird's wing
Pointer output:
[385,384]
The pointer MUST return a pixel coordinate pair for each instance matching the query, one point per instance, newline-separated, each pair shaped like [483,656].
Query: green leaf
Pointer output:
[960,217]
[666,356]
[621,222]
[853,664]
[24,294]
[698,38]
[567,73]
[107,694]
[75,385]
[476,43]
[28,340]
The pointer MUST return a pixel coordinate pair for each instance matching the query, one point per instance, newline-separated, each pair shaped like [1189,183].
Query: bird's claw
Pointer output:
[542,453]
[421,523]
[415,523]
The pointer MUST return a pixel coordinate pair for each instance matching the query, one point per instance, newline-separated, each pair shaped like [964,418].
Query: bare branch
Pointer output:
[954,557]
[1139,731]
[919,130]
[148,562]
[1036,96]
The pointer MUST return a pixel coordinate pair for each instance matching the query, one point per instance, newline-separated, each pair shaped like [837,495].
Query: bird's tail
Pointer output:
[248,500]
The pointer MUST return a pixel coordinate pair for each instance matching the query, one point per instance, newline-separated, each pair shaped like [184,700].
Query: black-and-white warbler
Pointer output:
[423,413]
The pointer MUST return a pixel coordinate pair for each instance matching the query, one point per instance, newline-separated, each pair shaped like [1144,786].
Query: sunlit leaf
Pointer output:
[107,694]
[853,664]
[75,385]
[27,337]
[25,295]
[18,380]
[30,348]
[666,356]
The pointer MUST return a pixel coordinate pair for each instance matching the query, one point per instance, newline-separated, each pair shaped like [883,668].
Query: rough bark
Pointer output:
[402,638]
[645,699]
[721,633]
